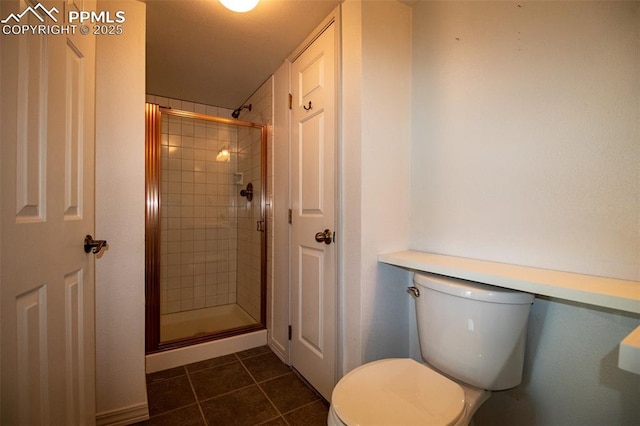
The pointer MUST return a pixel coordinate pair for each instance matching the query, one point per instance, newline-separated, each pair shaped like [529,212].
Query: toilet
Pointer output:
[472,337]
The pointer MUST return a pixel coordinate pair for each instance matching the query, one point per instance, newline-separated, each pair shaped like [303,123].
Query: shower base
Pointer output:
[202,351]
[196,322]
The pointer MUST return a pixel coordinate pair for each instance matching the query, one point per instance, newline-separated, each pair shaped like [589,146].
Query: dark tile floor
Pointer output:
[251,387]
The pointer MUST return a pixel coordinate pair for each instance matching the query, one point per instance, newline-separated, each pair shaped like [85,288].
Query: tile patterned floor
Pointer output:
[251,387]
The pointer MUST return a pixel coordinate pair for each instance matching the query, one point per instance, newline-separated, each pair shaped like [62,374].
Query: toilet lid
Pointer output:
[397,392]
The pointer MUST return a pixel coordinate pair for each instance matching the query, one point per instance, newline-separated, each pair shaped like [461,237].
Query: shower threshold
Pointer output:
[198,322]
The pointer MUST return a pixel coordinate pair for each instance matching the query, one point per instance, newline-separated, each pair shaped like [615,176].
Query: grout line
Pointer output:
[302,406]
[262,390]
[248,372]
[270,420]
[204,419]
[170,411]
[271,402]
[279,414]
[274,377]
[227,393]
[266,351]
[166,378]
[209,368]
[314,390]
[290,370]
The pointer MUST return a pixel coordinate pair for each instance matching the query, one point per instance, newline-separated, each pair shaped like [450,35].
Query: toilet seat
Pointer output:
[397,392]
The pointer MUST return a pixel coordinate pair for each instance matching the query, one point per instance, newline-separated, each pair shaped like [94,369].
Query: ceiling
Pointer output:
[199,51]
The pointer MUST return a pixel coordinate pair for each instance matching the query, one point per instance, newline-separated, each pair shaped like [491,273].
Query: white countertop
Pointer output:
[611,293]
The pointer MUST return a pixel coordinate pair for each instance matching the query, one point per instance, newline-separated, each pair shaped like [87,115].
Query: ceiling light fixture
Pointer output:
[240,5]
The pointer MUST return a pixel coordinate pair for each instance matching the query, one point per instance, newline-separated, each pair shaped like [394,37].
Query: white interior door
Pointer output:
[47,279]
[313,193]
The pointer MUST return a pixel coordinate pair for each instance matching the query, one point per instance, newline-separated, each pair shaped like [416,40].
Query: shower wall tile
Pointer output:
[200,108]
[198,209]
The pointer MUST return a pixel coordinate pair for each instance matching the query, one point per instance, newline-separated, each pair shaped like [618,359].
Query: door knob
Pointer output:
[96,245]
[325,237]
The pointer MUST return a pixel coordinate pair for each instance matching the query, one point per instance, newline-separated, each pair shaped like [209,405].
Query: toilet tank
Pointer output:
[473,332]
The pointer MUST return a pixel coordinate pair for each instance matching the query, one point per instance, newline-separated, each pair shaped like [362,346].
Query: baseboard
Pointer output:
[278,349]
[124,416]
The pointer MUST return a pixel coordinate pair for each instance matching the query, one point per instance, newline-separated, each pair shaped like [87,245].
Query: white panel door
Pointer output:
[313,193]
[47,279]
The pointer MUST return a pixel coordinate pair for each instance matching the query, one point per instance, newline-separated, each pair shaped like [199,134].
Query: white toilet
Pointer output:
[471,335]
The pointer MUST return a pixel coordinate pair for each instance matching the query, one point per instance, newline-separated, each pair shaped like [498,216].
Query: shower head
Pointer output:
[236,112]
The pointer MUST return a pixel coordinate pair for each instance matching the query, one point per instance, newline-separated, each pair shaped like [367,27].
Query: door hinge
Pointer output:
[290,216]
[290,101]
[290,333]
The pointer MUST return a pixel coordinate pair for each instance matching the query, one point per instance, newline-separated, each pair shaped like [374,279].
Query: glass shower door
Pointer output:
[210,267]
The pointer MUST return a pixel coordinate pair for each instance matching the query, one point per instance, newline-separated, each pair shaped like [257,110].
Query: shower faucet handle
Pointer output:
[247,192]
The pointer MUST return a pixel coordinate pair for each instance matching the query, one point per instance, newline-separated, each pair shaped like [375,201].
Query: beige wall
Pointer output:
[278,224]
[376,130]
[120,94]
[526,130]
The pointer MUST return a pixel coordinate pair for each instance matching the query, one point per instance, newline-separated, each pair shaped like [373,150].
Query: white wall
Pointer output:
[526,130]
[376,126]
[120,305]
[526,150]
[278,224]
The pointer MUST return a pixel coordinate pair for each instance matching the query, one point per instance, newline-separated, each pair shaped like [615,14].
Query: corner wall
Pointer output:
[376,134]
[525,150]
[278,224]
[121,394]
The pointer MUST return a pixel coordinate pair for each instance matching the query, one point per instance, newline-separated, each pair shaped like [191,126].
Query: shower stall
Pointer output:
[205,228]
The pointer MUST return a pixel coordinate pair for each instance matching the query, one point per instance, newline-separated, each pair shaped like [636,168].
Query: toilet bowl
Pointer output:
[472,337]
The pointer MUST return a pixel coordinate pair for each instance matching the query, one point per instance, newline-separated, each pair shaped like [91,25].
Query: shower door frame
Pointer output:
[152,230]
